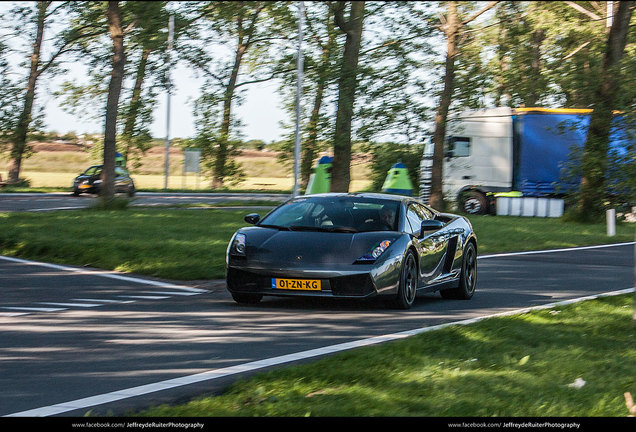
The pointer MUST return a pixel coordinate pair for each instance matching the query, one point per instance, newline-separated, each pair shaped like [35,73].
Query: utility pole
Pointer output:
[167,157]
[299,89]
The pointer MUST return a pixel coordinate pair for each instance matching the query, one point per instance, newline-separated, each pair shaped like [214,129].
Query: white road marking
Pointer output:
[274,361]
[34,309]
[172,293]
[553,250]
[86,305]
[13,314]
[103,301]
[106,274]
[144,297]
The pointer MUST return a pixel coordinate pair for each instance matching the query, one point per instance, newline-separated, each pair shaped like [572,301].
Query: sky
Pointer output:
[260,114]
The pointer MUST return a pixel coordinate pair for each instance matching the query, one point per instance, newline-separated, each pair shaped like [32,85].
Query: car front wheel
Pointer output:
[467,278]
[408,283]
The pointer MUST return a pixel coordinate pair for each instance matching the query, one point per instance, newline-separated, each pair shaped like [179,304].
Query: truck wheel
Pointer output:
[473,202]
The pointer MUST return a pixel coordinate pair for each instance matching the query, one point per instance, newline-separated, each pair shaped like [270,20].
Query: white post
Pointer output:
[299,89]
[611,222]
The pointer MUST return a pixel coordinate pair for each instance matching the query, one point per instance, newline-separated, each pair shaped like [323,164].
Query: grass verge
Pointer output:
[190,245]
[519,366]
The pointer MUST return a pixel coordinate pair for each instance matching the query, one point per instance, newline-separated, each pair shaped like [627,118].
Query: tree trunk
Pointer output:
[22,128]
[311,145]
[436,199]
[533,92]
[341,167]
[135,100]
[594,163]
[220,160]
[107,190]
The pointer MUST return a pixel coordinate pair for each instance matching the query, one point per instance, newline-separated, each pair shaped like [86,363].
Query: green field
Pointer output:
[193,243]
[56,169]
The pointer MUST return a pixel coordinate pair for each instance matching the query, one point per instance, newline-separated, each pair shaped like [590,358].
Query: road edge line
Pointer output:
[279,360]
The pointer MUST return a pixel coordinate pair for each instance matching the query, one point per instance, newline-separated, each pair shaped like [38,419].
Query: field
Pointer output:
[55,166]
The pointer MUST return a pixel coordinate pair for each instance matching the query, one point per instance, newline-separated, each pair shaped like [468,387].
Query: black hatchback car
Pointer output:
[90,181]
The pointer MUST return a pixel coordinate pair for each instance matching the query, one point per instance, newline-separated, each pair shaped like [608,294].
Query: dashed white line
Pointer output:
[103,300]
[84,305]
[274,361]
[34,309]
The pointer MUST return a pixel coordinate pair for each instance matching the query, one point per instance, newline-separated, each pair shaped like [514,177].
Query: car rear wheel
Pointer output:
[468,277]
[243,298]
[408,283]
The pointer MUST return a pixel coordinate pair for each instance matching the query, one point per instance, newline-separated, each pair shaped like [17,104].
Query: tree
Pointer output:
[452,26]
[387,106]
[116,30]
[595,154]
[352,28]
[319,52]
[38,17]
[148,42]
[250,28]
[146,67]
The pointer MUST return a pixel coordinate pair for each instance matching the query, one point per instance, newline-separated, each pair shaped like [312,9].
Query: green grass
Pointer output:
[190,244]
[173,244]
[519,366]
[514,234]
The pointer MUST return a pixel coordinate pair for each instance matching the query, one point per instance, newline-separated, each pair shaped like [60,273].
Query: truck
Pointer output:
[506,152]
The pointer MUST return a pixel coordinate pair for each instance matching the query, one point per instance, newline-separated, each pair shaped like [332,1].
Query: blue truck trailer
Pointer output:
[508,151]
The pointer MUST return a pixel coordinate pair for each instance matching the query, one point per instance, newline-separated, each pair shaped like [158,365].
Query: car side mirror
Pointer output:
[429,225]
[252,218]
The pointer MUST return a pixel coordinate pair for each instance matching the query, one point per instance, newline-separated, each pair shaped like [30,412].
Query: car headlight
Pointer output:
[238,245]
[375,252]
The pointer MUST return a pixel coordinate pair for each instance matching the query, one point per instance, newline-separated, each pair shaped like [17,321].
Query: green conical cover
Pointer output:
[320,180]
[398,181]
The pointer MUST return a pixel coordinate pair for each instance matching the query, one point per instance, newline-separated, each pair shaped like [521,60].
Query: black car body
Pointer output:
[90,181]
[335,245]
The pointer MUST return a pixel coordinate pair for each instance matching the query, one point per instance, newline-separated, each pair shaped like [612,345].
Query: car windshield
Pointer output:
[335,214]
[94,170]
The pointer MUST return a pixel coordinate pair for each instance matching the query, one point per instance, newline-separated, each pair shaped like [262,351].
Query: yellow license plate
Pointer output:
[296,284]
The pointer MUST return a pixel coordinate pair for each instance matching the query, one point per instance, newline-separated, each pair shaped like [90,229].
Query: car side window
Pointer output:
[422,212]
[414,221]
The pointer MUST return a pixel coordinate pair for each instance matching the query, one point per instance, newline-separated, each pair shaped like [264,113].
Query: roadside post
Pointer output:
[610,215]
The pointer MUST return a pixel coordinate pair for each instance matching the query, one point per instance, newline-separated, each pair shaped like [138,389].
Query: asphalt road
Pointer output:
[74,340]
[41,202]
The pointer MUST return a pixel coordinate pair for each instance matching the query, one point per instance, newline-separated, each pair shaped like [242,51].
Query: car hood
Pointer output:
[309,248]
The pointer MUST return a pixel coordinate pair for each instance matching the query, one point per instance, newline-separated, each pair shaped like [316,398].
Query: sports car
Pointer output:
[353,245]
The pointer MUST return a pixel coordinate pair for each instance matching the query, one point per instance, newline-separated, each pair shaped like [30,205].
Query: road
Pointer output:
[74,340]
[40,202]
